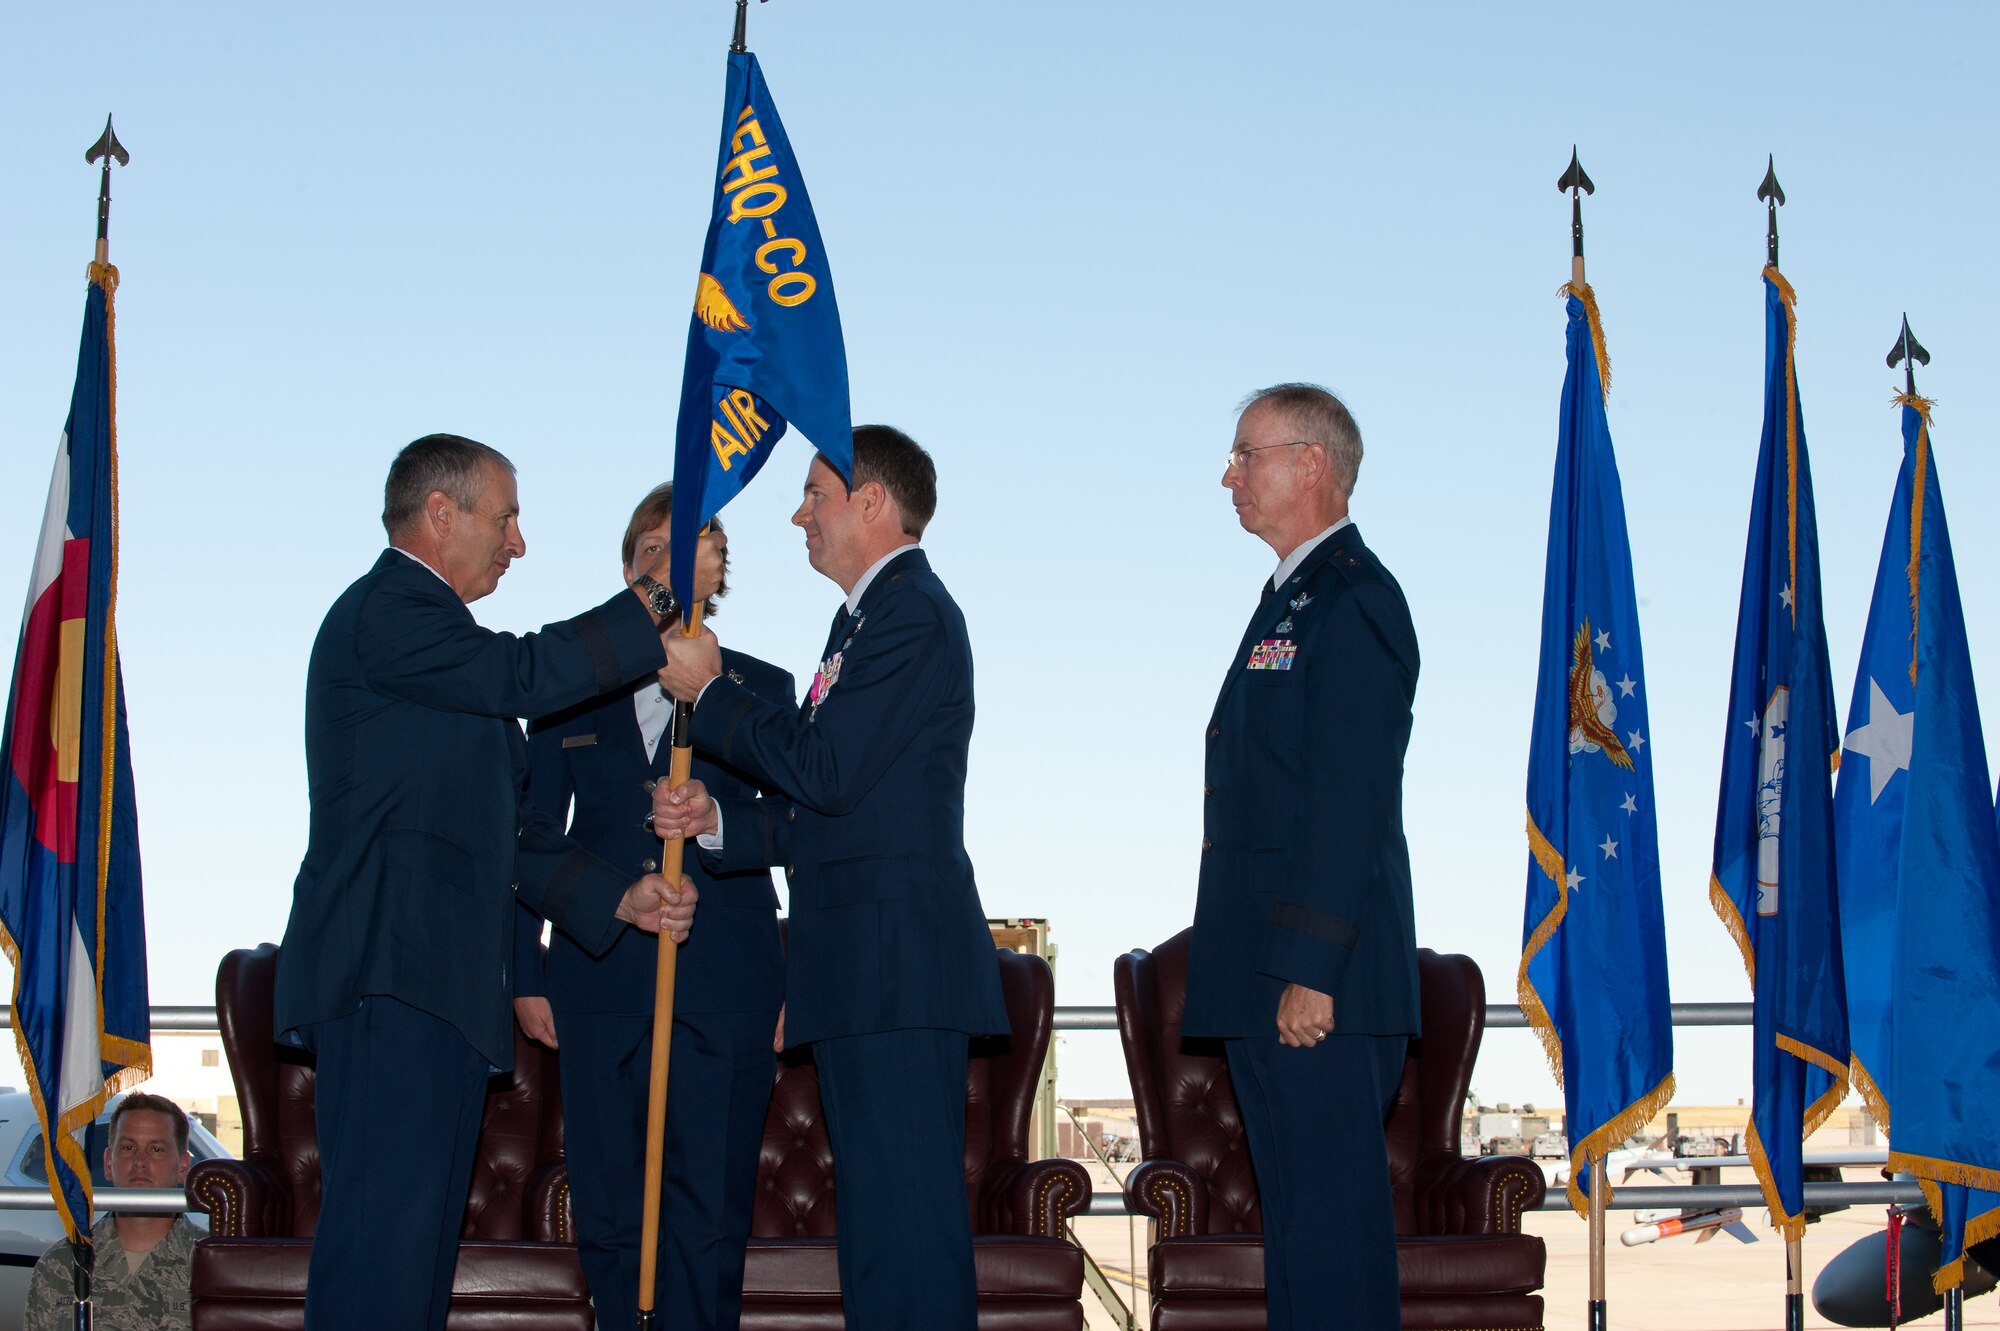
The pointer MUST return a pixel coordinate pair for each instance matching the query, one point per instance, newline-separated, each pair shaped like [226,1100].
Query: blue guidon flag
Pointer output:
[1920,871]
[1773,882]
[1593,978]
[764,346]
[70,912]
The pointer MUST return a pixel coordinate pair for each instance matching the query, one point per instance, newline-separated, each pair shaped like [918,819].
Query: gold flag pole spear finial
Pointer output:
[110,150]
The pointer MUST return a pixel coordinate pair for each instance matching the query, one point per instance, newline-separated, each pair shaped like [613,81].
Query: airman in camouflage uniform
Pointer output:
[144,1262]
[148,1292]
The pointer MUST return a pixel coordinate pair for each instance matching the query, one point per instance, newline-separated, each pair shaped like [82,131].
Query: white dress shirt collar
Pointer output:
[1290,563]
[861,584]
[440,577]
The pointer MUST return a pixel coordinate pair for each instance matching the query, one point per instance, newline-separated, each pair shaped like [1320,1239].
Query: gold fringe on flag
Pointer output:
[1790,300]
[1732,920]
[1978,1228]
[1922,407]
[1816,1114]
[1872,1098]
[1582,291]
[137,1056]
[1611,1136]
[1550,861]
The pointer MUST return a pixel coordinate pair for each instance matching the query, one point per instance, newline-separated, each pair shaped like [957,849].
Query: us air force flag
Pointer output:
[70,914]
[1920,870]
[1593,977]
[1773,883]
[764,345]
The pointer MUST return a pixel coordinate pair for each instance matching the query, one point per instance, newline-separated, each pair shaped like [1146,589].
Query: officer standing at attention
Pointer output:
[891,968]
[590,766]
[1303,958]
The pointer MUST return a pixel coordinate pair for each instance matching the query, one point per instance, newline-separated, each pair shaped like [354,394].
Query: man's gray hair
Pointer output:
[1318,417]
[447,462]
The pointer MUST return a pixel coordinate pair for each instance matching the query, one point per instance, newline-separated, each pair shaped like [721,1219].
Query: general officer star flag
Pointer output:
[1920,870]
[1773,880]
[70,913]
[1593,977]
[764,346]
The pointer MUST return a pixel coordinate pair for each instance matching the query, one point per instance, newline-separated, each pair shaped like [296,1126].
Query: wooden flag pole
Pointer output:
[672,855]
[1795,1288]
[1597,1317]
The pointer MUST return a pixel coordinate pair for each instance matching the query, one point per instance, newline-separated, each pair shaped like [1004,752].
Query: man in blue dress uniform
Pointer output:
[1304,951]
[598,759]
[395,960]
[891,967]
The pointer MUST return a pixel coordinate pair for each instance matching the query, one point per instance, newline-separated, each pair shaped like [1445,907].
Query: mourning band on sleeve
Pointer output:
[572,870]
[1326,928]
[603,656]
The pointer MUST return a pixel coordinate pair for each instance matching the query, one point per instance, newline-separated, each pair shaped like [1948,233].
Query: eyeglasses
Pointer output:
[1239,458]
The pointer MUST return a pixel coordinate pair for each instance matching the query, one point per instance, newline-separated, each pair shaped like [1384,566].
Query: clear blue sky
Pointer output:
[1067,239]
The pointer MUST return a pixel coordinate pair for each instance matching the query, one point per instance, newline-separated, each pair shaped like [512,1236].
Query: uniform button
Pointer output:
[1214,732]
[1208,790]
[791,815]
[1206,844]
[650,866]
[788,871]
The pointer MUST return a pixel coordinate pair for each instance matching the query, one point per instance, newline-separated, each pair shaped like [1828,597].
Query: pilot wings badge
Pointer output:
[1591,710]
[713,307]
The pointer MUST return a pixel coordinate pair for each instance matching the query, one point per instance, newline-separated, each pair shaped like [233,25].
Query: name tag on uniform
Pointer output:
[1273,654]
[579,741]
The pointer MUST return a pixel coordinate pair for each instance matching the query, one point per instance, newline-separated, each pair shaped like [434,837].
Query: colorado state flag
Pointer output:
[1920,870]
[1773,883]
[1593,977]
[70,912]
[764,346]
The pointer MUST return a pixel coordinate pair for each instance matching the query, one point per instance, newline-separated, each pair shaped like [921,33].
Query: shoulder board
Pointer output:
[1352,562]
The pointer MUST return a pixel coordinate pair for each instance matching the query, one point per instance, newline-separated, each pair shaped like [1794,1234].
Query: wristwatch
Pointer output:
[659,596]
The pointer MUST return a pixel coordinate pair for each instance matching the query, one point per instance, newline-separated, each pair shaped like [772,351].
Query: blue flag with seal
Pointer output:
[1773,880]
[1593,978]
[71,918]
[1920,870]
[764,347]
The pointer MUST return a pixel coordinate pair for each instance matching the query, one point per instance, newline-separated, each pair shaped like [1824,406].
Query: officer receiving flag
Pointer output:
[764,346]
[70,913]
[764,351]
[1773,879]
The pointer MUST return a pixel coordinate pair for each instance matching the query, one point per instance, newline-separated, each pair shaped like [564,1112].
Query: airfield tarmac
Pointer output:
[1670,1285]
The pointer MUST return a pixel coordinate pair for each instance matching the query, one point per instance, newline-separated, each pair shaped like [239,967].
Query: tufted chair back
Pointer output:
[1181,1092]
[520,1138]
[795,1174]
[1186,1106]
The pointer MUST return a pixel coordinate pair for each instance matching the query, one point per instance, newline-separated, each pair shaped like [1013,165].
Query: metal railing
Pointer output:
[1499,1016]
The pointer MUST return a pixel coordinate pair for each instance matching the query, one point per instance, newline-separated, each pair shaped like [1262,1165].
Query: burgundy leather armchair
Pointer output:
[516,1268]
[1030,1277]
[1464,1261]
